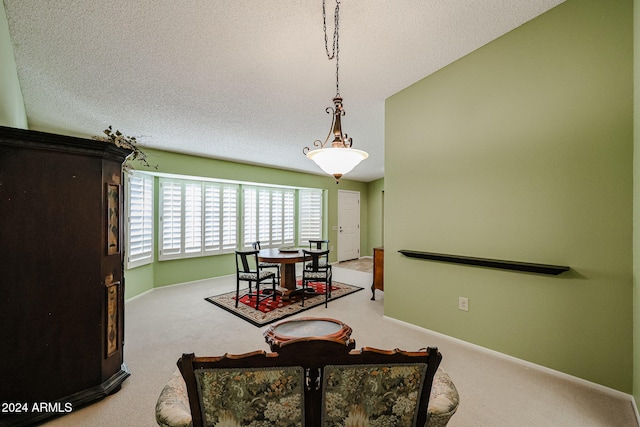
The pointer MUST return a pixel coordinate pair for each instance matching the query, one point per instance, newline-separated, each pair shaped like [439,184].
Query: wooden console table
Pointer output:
[378,271]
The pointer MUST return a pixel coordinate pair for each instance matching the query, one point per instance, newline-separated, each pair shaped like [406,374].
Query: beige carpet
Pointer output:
[494,392]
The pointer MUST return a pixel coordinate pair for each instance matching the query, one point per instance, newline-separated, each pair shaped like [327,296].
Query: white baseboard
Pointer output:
[604,389]
[139,295]
[178,284]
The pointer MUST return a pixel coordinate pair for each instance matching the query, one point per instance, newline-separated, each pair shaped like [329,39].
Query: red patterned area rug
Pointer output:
[270,311]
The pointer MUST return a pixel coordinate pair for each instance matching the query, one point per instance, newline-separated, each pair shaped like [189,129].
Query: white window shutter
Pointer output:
[289,215]
[140,224]
[170,219]
[310,211]
[212,218]
[250,216]
[229,224]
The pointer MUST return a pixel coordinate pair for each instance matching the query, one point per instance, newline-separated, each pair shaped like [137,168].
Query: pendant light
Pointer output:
[339,158]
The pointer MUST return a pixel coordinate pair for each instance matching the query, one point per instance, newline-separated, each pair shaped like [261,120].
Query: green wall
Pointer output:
[375,197]
[162,273]
[522,150]
[636,204]
[520,167]
[12,112]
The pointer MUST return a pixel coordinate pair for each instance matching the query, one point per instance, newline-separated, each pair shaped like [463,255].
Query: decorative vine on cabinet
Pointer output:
[61,257]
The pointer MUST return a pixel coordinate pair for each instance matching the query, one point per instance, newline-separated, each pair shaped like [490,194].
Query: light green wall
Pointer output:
[522,150]
[375,191]
[162,273]
[12,112]
[636,204]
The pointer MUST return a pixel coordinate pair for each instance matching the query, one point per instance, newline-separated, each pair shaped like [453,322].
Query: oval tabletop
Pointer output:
[306,327]
[281,257]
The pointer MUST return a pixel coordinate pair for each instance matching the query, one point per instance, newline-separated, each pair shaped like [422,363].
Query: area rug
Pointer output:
[270,311]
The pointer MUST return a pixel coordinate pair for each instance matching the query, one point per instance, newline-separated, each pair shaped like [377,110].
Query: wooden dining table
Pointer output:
[287,258]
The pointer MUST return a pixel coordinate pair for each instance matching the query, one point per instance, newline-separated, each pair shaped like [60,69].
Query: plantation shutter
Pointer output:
[140,224]
[269,216]
[229,217]
[170,219]
[277,220]
[192,217]
[310,214]
[220,217]
[264,217]
[212,218]
[289,215]
[250,217]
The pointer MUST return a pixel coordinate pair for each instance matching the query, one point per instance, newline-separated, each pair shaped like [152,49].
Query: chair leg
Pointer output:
[257,294]
[237,292]
[273,292]
[327,292]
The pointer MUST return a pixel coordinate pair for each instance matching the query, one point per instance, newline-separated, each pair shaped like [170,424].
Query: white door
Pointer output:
[348,225]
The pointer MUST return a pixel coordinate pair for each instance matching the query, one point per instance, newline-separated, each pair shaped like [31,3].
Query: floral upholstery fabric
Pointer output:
[268,264]
[315,274]
[372,395]
[172,408]
[443,401]
[322,263]
[253,276]
[259,397]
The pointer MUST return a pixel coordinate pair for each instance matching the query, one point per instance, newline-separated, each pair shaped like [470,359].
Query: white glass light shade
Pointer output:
[337,161]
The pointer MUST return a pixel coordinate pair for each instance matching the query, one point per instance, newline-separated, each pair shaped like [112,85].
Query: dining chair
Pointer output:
[267,265]
[247,270]
[313,272]
[320,245]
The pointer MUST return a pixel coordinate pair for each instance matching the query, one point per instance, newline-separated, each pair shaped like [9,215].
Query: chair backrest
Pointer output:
[314,264]
[318,244]
[247,261]
[317,382]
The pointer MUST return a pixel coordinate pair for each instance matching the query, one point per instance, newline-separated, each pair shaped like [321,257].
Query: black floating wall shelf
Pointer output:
[484,262]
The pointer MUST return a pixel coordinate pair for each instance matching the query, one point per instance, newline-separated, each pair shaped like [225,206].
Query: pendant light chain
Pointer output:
[335,156]
[335,50]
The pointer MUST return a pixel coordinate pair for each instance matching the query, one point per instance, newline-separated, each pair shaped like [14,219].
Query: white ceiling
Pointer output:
[239,79]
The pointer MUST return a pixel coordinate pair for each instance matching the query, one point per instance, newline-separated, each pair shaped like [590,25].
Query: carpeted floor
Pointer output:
[494,391]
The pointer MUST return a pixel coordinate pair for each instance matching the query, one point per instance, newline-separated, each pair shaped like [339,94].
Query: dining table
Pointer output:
[287,258]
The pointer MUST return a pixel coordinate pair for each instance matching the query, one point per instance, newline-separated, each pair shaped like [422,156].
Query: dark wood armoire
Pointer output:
[61,273]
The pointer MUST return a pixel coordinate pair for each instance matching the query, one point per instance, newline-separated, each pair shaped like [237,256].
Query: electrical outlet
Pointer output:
[463,303]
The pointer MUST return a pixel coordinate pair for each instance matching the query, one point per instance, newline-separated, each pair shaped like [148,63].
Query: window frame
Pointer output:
[173,227]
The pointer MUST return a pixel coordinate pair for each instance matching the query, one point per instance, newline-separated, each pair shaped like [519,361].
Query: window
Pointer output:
[197,218]
[310,223]
[140,223]
[268,216]
[200,217]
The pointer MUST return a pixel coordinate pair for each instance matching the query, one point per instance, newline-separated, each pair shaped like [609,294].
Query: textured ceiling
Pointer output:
[239,79]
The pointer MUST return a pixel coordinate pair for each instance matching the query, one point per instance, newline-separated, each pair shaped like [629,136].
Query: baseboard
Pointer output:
[148,291]
[178,284]
[567,377]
